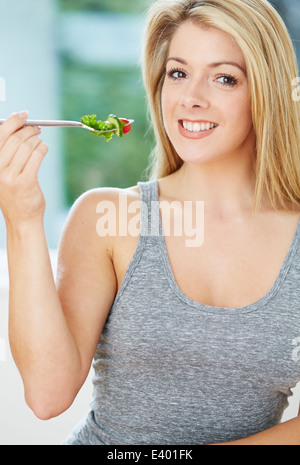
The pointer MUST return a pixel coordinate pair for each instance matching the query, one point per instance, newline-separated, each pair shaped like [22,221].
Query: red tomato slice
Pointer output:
[126,129]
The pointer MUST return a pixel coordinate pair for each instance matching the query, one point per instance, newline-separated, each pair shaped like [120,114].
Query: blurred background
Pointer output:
[62,59]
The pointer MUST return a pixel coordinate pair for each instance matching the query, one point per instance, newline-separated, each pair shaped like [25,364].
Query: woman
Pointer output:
[197,342]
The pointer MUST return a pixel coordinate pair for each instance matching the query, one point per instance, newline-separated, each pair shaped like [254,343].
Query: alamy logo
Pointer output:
[2,89]
[296,351]
[179,219]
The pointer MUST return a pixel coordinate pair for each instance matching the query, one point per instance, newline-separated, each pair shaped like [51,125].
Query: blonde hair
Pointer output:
[271,67]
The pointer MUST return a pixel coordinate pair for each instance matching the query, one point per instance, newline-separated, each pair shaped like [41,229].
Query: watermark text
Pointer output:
[178,219]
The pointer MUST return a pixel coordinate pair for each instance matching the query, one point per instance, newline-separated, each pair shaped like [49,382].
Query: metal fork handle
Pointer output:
[32,122]
[62,123]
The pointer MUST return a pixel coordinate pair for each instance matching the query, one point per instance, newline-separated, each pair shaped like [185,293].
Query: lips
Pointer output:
[196,129]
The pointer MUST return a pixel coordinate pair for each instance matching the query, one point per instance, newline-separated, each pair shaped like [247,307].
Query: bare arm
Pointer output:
[41,343]
[53,334]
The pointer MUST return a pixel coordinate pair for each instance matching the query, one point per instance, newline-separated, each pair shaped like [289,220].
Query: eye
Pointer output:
[227,81]
[176,74]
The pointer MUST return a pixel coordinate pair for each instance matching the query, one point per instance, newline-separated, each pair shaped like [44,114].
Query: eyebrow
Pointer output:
[211,65]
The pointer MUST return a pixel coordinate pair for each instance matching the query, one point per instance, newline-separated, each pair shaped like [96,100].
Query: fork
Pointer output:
[68,124]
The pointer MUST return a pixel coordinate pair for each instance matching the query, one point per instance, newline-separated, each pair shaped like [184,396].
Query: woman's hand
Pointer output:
[21,154]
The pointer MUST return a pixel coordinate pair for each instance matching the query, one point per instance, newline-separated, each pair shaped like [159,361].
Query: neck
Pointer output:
[226,188]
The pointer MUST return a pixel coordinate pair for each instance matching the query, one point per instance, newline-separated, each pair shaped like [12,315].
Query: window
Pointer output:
[99,53]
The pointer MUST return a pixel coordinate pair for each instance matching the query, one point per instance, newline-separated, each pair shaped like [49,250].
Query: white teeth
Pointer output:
[197,127]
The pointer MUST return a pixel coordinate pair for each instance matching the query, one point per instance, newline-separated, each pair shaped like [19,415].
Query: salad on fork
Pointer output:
[112,126]
[108,128]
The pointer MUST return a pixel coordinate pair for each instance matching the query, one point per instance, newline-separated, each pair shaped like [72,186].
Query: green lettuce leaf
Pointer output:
[91,121]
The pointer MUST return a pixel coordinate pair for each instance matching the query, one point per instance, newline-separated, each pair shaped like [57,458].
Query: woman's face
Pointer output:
[205,96]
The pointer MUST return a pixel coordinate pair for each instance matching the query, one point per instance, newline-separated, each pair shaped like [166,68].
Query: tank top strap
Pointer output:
[150,219]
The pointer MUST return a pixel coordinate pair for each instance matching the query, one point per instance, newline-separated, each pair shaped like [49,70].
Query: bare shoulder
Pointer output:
[94,244]
[94,224]
[85,211]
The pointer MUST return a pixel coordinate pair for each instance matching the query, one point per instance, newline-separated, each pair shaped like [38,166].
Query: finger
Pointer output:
[12,124]
[34,161]
[14,142]
[22,155]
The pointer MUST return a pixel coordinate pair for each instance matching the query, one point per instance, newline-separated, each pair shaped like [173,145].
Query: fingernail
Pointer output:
[23,115]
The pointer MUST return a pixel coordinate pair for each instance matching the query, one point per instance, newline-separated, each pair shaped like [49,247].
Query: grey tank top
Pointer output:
[169,370]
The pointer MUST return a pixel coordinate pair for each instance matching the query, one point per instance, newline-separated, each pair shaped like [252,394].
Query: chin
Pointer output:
[197,157]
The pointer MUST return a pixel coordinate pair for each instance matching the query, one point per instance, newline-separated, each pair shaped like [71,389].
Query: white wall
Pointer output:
[29,67]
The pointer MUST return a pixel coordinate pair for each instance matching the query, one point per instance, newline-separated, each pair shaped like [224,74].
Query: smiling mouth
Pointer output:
[197,126]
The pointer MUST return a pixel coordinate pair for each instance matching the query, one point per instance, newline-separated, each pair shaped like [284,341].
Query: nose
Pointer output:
[194,95]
